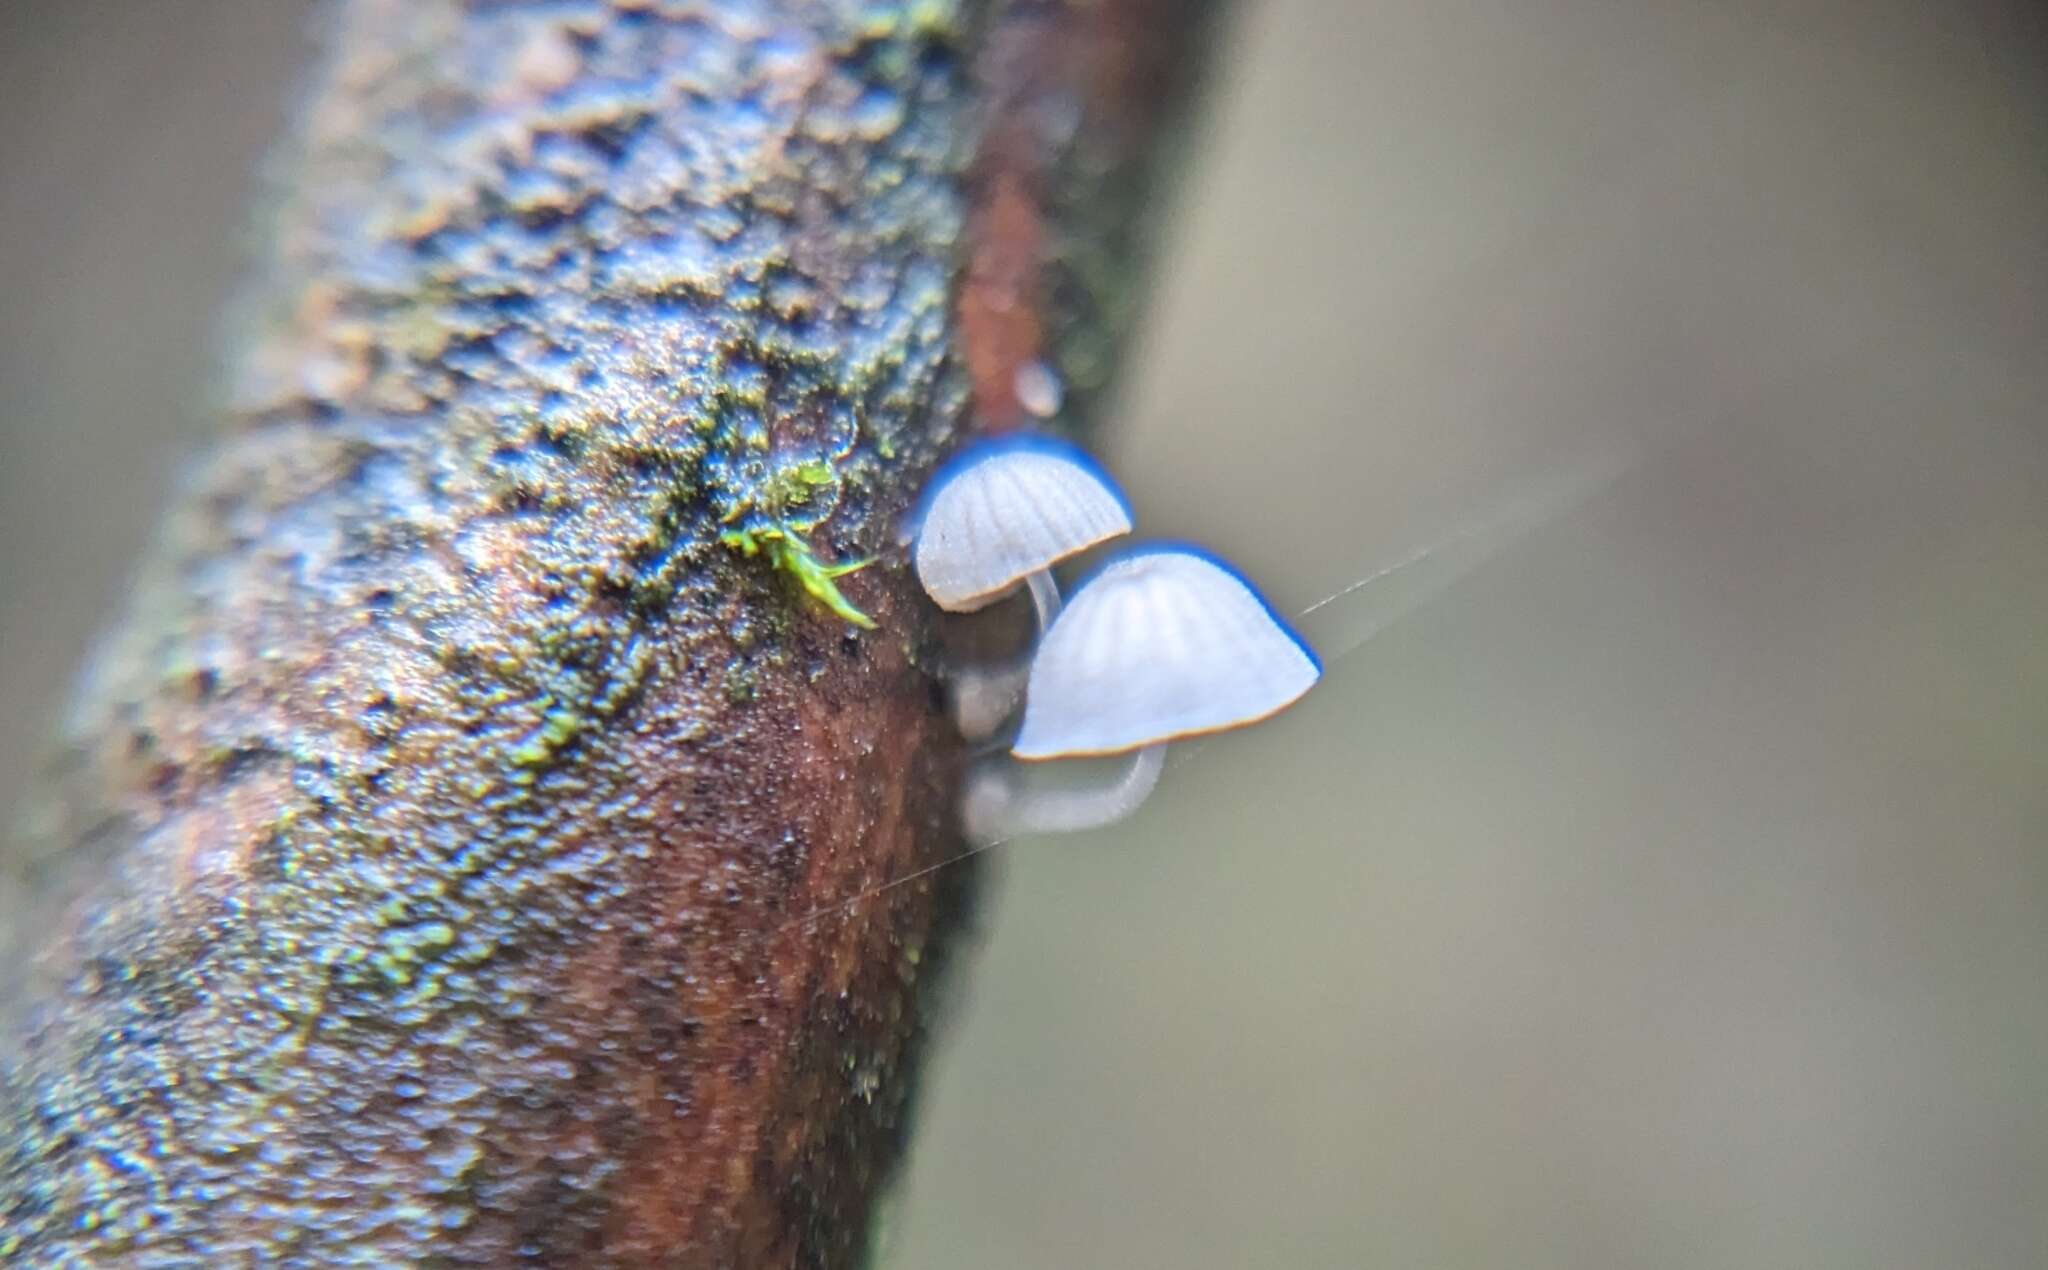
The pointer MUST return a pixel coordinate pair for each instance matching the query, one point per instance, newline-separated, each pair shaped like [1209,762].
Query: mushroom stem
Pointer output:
[1006,798]
[985,698]
[1045,597]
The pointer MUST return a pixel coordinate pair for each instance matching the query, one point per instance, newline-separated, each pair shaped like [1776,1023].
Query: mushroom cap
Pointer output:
[1162,643]
[1007,508]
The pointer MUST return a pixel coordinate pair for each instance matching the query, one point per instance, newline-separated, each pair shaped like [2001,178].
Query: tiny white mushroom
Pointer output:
[1004,512]
[1163,643]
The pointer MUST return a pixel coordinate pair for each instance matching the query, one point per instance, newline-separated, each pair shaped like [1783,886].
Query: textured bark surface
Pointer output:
[445,816]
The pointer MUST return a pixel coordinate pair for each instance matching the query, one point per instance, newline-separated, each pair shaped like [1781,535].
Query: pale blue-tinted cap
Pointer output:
[1162,643]
[1005,509]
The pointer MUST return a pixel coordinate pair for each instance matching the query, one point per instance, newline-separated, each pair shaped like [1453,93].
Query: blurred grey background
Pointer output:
[1669,892]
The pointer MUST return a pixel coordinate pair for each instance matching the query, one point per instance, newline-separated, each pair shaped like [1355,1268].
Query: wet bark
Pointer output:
[431,872]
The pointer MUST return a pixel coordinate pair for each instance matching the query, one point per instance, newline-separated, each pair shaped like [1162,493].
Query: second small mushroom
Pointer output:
[1163,644]
[1001,515]
[1006,511]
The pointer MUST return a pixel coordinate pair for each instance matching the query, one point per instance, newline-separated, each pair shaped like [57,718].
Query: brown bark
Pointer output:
[451,801]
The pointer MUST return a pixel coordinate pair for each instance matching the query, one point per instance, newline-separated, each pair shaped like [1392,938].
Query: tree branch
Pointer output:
[473,748]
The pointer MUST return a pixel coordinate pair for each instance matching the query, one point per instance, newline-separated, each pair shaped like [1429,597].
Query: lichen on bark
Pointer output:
[461,776]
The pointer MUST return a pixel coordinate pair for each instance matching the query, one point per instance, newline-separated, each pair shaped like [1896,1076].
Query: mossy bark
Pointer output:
[448,810]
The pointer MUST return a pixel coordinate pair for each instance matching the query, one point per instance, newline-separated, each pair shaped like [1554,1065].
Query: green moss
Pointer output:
[558,726]
[790,554]
[403,947]
[739,682]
